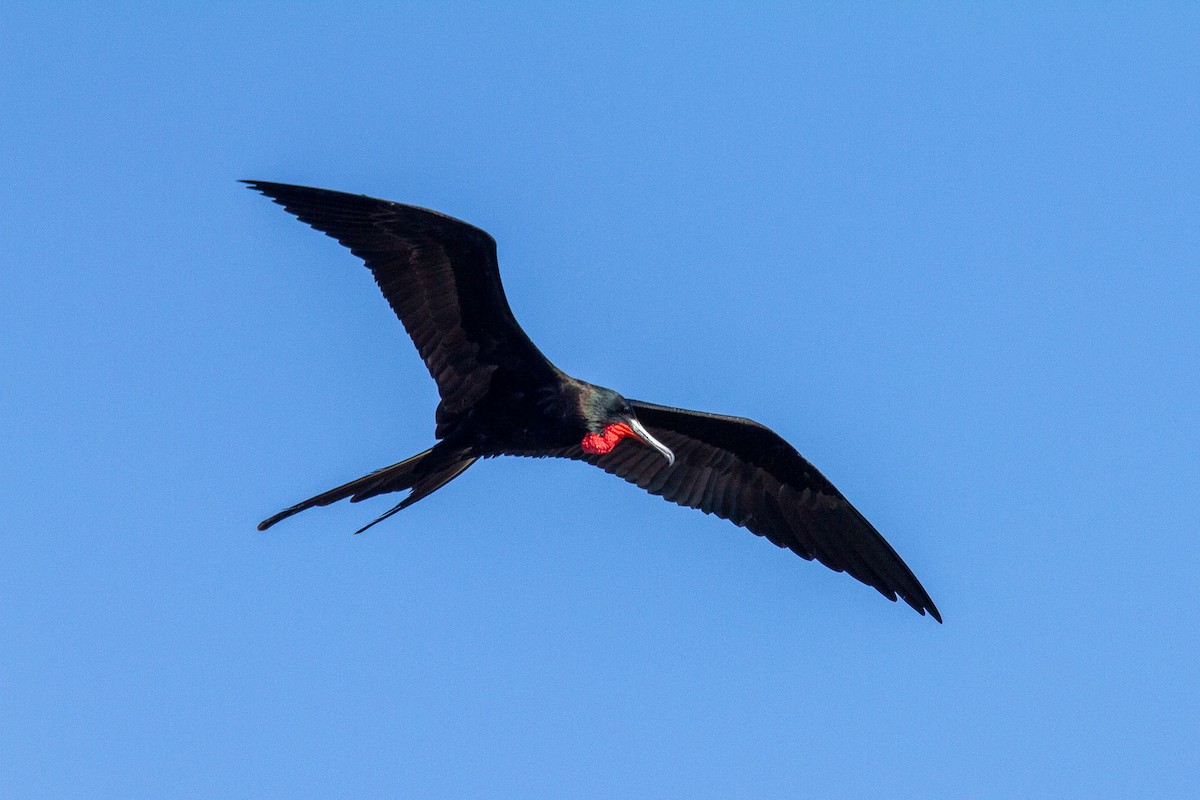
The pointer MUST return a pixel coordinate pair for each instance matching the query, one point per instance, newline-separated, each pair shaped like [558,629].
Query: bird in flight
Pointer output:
[501,396]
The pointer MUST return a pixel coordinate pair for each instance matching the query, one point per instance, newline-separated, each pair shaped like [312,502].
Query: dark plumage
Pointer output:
[501,396]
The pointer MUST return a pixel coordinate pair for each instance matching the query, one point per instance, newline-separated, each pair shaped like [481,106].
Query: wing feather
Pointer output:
[441,278]
[742,471]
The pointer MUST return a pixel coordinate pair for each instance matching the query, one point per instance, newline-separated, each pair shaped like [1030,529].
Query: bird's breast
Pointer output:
[522,423]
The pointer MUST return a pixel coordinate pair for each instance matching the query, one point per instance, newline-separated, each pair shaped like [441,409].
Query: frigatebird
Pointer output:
[501,396]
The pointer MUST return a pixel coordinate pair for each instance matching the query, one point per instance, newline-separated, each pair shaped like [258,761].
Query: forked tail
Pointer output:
[424,474]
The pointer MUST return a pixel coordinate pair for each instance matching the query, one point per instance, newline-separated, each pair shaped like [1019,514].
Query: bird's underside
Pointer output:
[501,396]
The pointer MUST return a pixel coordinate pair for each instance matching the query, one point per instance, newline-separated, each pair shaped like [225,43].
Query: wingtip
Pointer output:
[265,187]
[284,193]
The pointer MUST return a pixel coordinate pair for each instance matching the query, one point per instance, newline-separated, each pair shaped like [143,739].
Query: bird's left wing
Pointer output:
[744,472]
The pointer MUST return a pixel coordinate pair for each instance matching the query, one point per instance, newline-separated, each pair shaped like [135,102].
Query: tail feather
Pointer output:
[395,478]
[426,485]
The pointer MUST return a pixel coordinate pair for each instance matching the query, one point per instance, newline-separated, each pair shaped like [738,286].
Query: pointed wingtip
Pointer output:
[930,608]
[268,188]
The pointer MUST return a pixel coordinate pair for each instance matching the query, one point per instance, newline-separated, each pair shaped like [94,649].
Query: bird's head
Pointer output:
[609,418]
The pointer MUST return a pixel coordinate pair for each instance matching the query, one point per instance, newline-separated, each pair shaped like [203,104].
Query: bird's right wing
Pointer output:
[439,275]
[744,472]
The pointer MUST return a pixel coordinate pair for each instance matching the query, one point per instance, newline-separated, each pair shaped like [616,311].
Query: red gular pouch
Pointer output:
[601,443]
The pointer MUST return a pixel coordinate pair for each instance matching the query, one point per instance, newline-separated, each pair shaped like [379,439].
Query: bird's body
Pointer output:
[501,396]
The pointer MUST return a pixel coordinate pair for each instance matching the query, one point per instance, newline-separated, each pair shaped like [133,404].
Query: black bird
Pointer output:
[501,396]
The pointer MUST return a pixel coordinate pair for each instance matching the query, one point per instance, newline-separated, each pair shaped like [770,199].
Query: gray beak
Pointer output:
[645,436]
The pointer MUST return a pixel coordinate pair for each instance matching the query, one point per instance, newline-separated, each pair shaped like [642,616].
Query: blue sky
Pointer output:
[951,254]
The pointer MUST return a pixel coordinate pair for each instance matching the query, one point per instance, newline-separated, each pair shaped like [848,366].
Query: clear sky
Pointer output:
[950,254]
